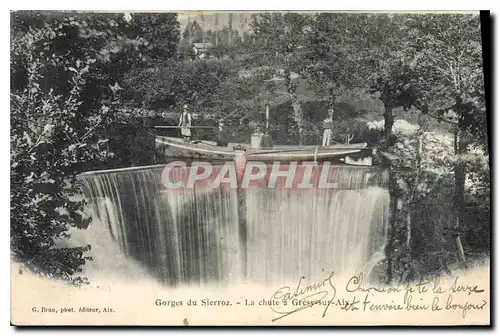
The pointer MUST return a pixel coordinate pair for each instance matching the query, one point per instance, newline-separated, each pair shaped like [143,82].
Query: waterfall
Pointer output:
[293,233]
[195,236]
[187,237]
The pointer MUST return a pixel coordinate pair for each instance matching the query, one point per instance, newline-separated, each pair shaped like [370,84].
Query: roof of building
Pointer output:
[201,45]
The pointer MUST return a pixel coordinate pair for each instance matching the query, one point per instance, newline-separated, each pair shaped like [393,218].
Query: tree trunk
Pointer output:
[230,21]
[388,123]
[459,169]
[408,227]
[413,199]
[298,115]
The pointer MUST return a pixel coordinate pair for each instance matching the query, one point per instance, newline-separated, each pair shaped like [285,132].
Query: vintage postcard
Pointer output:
[249,168]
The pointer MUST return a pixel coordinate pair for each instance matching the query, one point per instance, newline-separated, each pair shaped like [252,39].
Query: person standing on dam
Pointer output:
[222,140]
[327,129]
[185,123]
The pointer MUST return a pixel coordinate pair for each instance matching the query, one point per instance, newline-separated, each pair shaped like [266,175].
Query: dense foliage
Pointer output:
[64,88]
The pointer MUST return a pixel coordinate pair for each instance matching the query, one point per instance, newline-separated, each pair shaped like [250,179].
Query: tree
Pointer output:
[225,43]
[196,32]
[353,51]
[239,102]
[175,83]
[348,51]
[63,94]
[448,56]
[382,43]
[285,35]
[161,31]
[331,58]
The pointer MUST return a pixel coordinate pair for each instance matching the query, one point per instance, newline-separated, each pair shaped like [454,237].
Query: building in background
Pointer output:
[201,49]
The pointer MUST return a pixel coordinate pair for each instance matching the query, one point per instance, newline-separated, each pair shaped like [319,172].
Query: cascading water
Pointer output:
[195,236]
[188,237]
[294,233]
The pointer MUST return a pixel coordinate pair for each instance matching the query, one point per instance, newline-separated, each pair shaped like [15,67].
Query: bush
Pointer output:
[63,95]
[46,155]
